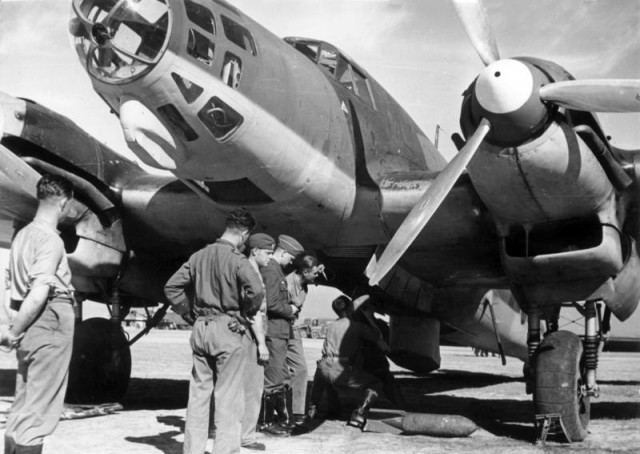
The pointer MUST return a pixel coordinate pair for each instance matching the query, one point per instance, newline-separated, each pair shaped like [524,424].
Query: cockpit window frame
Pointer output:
[228,24]
[359,85]
[213,30]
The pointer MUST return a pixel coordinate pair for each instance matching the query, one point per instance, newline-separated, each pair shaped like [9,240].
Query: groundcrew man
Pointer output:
[226,290]
[306,268]
[341,362]
[280,313]
[261,247]
[41,309]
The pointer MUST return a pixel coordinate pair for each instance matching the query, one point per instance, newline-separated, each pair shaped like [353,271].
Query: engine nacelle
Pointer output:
[414,342]
[98,253]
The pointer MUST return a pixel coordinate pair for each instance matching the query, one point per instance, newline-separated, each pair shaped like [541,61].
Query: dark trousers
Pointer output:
[333,372]
[43,369]
[298,375]
[276,373]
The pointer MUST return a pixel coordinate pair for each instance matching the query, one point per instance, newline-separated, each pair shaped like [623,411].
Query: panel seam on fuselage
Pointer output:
[527,185]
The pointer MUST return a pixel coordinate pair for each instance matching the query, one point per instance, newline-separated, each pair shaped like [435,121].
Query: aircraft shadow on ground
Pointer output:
[619,382]
[448,380]
[615,410]
[156,394]
[503,417]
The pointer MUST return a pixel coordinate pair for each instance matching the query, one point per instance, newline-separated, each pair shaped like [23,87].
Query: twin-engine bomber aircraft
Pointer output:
[298,132]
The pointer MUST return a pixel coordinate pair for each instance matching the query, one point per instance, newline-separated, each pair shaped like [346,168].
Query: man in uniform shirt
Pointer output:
[341,362]
[225,289]
[261,248]
[306,270]
[280,312]
[40,302]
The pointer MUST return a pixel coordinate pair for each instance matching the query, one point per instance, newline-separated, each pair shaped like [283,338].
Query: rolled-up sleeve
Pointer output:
[175,288]
[252,288]
[46,259]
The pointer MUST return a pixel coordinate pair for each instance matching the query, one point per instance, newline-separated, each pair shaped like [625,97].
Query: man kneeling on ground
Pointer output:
[341,363]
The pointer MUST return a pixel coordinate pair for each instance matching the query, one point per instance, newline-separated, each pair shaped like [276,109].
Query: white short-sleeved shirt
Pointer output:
[37,258]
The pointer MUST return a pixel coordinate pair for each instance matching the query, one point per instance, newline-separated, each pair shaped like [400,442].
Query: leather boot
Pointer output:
[284,410]
[359,416]
[35,449]
[266,412]
[266,420]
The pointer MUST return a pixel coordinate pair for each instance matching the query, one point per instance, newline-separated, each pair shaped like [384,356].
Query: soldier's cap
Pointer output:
[290,245]
[261,241]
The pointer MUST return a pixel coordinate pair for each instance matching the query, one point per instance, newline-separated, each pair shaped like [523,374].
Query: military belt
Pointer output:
[236,324]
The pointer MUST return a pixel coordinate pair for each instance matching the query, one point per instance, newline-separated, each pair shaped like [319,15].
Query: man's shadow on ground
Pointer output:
[164,441]
[501,417]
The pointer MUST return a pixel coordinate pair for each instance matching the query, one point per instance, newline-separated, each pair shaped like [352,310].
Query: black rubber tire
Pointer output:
[100,365]
[558,378]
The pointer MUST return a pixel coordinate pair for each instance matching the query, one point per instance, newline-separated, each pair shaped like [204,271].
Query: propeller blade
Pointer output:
[605,95]
[475,21]
[426,206]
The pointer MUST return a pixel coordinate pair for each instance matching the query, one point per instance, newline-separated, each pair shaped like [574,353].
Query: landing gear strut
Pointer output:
[564,373]
[101,361]
[100,364]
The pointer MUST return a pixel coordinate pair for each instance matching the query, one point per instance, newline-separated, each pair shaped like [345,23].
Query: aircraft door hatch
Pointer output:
[363,178]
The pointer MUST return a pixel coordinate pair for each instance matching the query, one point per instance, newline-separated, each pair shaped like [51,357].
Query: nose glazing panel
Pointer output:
[120,40]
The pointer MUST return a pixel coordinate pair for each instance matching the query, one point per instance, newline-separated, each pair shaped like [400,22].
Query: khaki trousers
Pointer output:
[253,387]
[41,381]
[219,363]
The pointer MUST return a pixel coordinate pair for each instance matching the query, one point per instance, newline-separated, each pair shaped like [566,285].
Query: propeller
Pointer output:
[422,212]
[475,21]
[511,98]
[607,95]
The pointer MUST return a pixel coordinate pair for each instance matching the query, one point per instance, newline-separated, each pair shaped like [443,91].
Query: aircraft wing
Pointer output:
[36,140]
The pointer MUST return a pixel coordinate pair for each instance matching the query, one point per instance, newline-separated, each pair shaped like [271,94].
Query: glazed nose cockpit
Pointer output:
[118,41]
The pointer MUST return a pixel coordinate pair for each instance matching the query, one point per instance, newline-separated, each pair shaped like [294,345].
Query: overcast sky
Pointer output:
[415,48]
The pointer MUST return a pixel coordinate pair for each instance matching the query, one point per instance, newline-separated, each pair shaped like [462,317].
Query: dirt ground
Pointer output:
[479,388]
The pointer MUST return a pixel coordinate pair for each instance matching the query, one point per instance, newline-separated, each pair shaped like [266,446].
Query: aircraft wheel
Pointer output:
[558,379]
[100,366]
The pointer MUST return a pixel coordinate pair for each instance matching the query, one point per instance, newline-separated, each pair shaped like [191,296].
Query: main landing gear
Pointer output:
[100,366]
[563,378]
[101,363]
